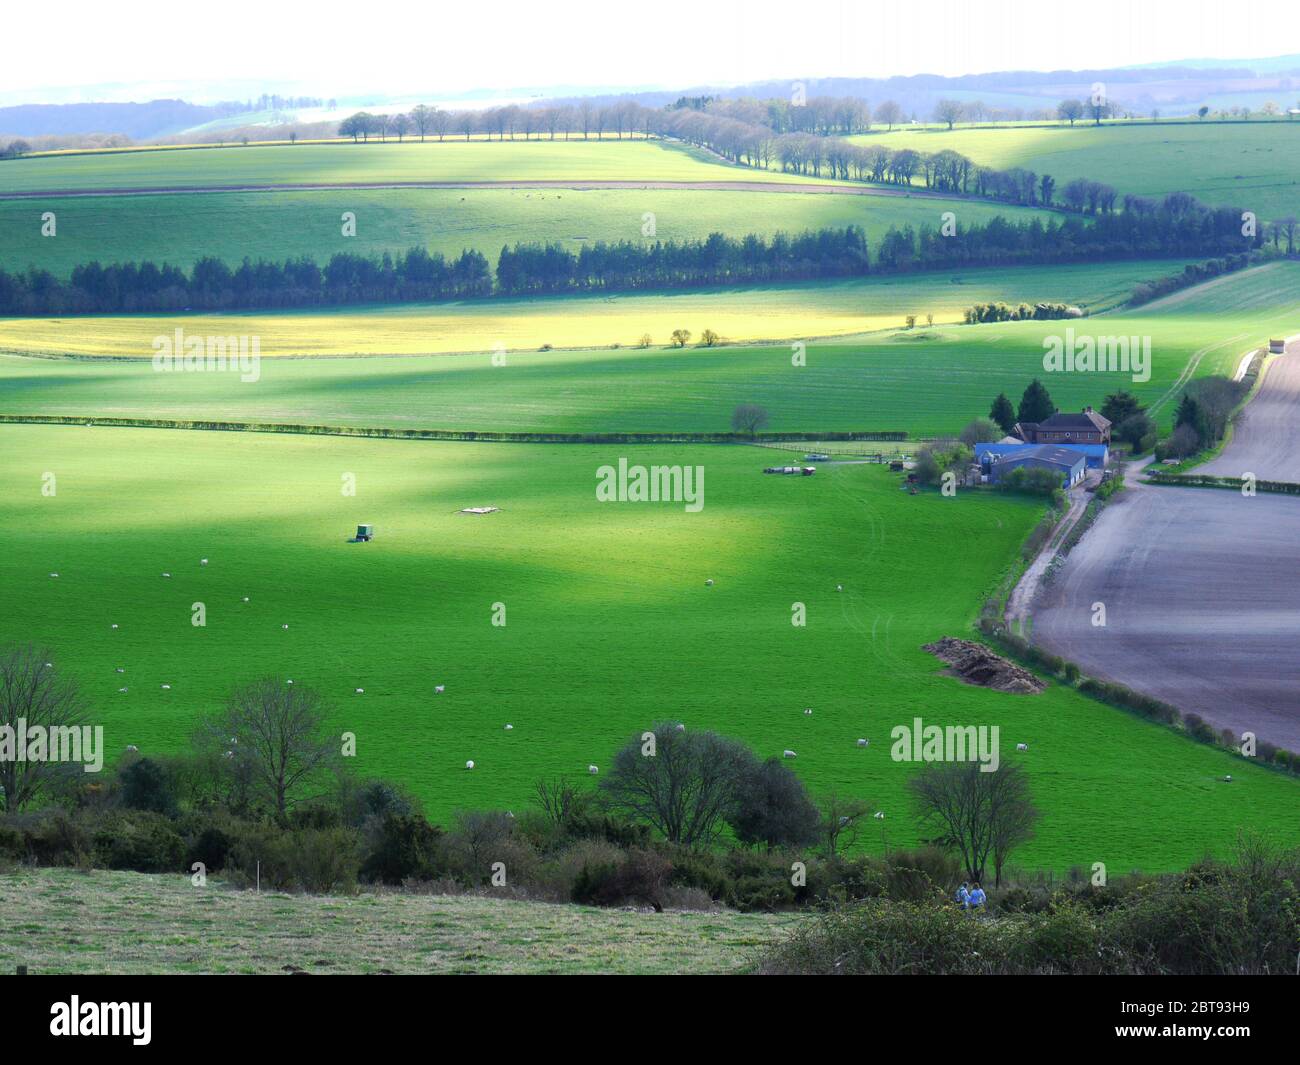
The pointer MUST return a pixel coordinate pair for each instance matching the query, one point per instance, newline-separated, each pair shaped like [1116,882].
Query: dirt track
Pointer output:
[1201,586]
[557,183]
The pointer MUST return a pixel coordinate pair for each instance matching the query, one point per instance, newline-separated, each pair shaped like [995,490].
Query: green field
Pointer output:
[800,311]
[69,921]
[262,225]
[344,162]
[610,625]
[927,382]
[1253,167]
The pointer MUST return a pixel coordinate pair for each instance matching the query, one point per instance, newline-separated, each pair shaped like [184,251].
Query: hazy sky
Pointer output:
[331,48]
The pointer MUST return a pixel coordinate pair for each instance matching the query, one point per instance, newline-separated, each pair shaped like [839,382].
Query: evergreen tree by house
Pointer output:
[1036,404]
[1003,413]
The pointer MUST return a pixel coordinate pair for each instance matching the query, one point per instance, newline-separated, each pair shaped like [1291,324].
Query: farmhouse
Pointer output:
[1070,463]
[1085,427]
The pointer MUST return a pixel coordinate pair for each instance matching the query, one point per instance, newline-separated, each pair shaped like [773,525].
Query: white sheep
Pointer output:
[132,748]
[53,574]
[284,626]
[1022,746]
[510,728]
[839,587]
[361,691]
[122,690]
[880,815]
[807,711]
[119,669]
[166,687]
[245,599]
[469,764]
[166,574]
[707,584]
[593,770]
[681,727]
[788,754]
[203,562]
[114,626]
[1228,779]
[289,682]
[863,743]
[438,689]
[49,665]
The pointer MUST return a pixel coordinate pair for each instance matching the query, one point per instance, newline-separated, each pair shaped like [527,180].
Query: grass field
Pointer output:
[802,311]
[261,225]
[609,623]
[450,160]
[64,921]
[1254,167]
[926,382]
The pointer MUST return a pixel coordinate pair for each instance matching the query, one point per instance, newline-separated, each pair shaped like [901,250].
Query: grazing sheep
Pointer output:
[681,727]
[510,728]
[839,587]
[166,574]
[361,691]
[880,815]
[53,574]
[114,626]
[469,765]
[788,754]
[203,562]
[284,626]
[593,770]
[49,665]
[707,584]
[132,748]
[122,690]
[1228,779]
[289,682]
[807,711]
[166,687]
[438,689]
[863,743]
[1022,746]
[245,599]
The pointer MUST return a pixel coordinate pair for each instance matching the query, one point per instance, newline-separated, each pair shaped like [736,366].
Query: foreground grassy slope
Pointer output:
[70,922]
[181,228]
[1254,167]
[739,314]
[610,626]
[344,162]
[928,381]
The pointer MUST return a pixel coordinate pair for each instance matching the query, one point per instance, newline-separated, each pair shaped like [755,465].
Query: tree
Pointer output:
[773,808]
[146,786]
[686,785]
[422,119]
[32,691]
[1189,413]
[950,111]
[680,337]
[1070,110]
[979,431]
[1120,406]
[1201,112]
[709,338]
[1135,429]
[889,113]
[748,418]
[273,733]
[1036,404]
[1003,413]
[982,816]
[841,819]
[400,124]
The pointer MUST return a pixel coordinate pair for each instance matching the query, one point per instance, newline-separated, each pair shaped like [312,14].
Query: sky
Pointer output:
[328,48]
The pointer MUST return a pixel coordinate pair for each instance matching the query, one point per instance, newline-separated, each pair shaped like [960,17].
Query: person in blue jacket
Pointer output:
[963,896]
[977,897]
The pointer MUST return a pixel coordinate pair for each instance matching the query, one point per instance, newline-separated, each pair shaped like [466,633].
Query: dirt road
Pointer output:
[1266,438]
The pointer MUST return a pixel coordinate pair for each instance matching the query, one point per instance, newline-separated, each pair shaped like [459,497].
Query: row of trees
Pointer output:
[1177,226]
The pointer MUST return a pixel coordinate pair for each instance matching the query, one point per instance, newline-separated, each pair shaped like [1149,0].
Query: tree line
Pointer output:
[1172,228]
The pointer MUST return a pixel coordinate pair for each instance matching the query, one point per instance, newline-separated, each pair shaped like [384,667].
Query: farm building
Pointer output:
[1070,463]
[1085,427]
[1097,455]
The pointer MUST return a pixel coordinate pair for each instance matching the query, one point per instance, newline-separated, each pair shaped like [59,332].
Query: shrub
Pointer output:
[141,841]
[402,847]
[637,875]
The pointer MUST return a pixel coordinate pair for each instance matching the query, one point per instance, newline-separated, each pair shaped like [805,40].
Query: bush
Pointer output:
[317,860]
[141,841]
[146,786]
[402,847]
[637,875]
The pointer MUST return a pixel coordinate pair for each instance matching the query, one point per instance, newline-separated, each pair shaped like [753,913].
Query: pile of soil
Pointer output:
[974,663]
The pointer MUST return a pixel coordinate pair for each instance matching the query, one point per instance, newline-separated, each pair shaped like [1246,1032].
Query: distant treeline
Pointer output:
[1178,227]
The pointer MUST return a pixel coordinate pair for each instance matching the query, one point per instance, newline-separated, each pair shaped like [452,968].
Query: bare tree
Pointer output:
[1070,110]
[422,119]
[983,816]
[33,692]
[684,784]
[889,113]
[748,418]
[841,820]
[274,732]
[950,111]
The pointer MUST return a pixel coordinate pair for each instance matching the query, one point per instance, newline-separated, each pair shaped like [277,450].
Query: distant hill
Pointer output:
[137,121]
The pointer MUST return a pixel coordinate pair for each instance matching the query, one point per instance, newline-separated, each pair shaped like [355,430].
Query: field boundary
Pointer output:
[470,435]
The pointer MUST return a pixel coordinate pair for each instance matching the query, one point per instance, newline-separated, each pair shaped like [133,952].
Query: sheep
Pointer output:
[807,711]
[113,626]
[1228,779]
[681,727]
[245,599]
[438,689]
[593,770]
[469,764]
[166,574]
[707,584]
[510,728]
[166,687]
[53,574]
[839,587]
[880,815]
[49,665]
[361,691]
[132,748]
[284,626]
[289,682]
[122,690]
[203,562]
[119,669]
[863,743]
[788,754]
[1022,746]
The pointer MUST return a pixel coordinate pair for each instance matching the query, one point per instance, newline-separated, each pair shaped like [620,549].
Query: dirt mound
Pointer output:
[974,663]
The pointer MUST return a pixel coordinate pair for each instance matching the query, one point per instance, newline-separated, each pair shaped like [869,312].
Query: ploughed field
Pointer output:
[610,625]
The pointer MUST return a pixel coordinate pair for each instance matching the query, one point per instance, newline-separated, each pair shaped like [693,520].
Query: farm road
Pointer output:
[1201,587]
